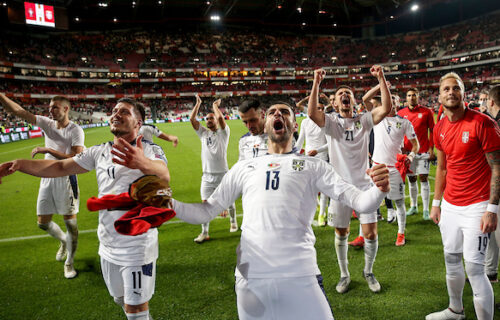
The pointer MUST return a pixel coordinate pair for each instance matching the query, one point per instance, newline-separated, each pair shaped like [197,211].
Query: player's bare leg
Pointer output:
[137,312]
[71,244]
[341,235]
[371,248]
[45,223]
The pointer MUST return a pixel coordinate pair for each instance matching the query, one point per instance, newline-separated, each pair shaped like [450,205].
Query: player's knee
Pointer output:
[452,258]
[453,263]
[474,269]
[423,178]
[71,226]
[119,301]
[43,226]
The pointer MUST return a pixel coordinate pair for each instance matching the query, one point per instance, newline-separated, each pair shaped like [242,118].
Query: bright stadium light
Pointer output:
[77,19]
[102,4]
[414,7]
[4,4]
[115,20]
[215,17]
[392,17]
[299,9]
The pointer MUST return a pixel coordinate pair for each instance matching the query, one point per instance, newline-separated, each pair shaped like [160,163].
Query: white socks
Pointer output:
[401,212]
[482,291]
[204,228]
[54,230]
[413,193]
[455,280]
[425,194]
[143,315]
[232,213]
[341,250]
[71,239]
[371,247]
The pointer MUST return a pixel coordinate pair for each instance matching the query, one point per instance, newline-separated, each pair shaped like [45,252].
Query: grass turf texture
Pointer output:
[196,281]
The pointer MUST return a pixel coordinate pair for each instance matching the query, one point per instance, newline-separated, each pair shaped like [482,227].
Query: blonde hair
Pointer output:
[452,75]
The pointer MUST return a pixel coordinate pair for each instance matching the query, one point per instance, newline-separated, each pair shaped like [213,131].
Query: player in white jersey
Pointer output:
[254,142]
[316,146]
[149,130]
[348,138]
[214,141]
[389,136]
[277,276]
[63,139]
[128,263]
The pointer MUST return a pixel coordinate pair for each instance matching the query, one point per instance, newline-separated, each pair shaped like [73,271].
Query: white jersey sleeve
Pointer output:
[87,159]
[409,130]
[200,131]
[302,136]
[60,139]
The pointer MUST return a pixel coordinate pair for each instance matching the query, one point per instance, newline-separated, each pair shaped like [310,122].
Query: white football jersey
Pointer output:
[251,146]
[148,131]
[279,200]
[115,179]
[214,149]
[348,140]
[314,136]
[60,139]
[389,137]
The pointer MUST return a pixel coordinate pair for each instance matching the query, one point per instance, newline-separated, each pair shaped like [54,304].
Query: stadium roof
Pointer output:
[314,16]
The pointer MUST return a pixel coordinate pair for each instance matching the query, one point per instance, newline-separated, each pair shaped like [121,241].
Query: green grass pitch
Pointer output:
[196,281]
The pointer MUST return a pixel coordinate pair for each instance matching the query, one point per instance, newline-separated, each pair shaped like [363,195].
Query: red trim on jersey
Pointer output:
[465,142]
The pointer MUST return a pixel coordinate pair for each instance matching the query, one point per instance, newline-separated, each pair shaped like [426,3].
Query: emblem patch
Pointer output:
[465,136]
[420,116]
[274,166]
[298,165]
[357,125]
[398,125]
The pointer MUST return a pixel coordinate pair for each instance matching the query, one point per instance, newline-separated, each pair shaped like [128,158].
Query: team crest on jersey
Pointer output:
[398,125]
[420,116]
[298,165]
[357,125]
[465,136]
[274,166]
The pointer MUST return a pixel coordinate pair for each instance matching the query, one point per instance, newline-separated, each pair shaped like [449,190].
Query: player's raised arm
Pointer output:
[301,105]
[312,111]
[218,114]
[194,113]
[170,138]
[134,158]
[15,109]
[380,113]
[41,168]
[57,154]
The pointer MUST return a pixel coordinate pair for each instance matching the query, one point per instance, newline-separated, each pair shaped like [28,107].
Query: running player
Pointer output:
[348,138]
[214,141]
[63,139]
[468,173]
[128,264]
[254,142]
[316,146]
[422,119]
[277,276]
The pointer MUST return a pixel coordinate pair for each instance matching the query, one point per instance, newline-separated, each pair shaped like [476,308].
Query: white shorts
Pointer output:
[282,298]
[135,284]
[209,182]
[342,214]
[397,185]
[420,166]
[58,195]
[460,230]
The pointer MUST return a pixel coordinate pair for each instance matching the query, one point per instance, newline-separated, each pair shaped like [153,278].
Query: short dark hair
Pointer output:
[61,99]
[290,104]
[494,94]
[414,90]
[249,104]
[343,86]
[139,107]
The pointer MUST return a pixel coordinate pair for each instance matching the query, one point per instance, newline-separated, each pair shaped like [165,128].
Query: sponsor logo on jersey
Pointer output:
[465,136]
[441,136]
[274,166]
[298,165]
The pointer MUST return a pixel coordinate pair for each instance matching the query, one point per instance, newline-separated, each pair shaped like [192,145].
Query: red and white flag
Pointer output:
[39,14]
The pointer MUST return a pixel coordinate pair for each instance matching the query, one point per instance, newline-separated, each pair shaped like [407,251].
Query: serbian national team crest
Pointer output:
[465,136]
[298,165]
[398,125]
[357,125]
[420,116]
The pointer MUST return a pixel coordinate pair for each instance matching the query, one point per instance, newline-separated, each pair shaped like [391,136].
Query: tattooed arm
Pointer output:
[489,220]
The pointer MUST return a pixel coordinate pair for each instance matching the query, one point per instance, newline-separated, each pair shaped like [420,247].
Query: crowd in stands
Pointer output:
[133,49]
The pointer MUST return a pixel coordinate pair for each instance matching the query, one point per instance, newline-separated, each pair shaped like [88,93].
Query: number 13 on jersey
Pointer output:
[272,180]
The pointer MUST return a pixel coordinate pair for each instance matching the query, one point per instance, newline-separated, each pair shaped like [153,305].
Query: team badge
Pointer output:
[420,116]
[298,165]
[465,136]
[357,125]
[274,166]
[398,125]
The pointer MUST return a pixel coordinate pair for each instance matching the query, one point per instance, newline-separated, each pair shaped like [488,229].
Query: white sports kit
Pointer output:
[148,131]
[276,250]
[137,254]
[314,137]
[348,140]
[389,137]
[251,146]
[59,195]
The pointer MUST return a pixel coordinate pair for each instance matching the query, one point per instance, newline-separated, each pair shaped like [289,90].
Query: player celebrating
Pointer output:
[316,146]
[389,135]
[128,263]
[422,120]
[276,274]
[214,142]
[63,139]
[254,142]
[348,138]
[149,130]
[468,171]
